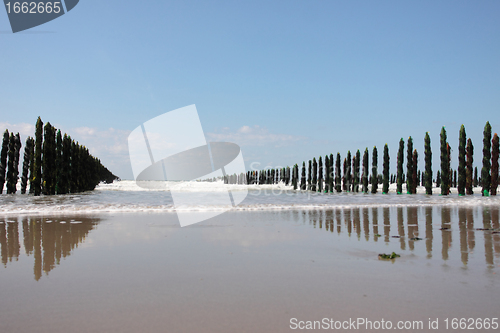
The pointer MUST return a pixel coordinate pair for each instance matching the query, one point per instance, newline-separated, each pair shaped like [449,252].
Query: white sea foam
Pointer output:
[128,197]
[187,186]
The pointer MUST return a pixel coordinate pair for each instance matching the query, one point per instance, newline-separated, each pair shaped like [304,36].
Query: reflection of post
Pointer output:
[55,240]
[375,223]
[357,222]
[48,231]
[488,242]
[387,223]
[13,240]
[462,223]
[329,220]
[347,221]
[338,216]
[401,228]
[295,216]
[320,219]
[416,231]
[445,233]
[66,243]
[28,236]
[332,224]
[60,228]
[37,249]
[428,231]
[412,215]
[495,222]
[3,242]
[471,236]
[494,217]
[327,223]
[366,223]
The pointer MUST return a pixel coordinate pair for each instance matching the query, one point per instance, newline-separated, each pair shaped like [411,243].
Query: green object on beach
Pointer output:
[393,255]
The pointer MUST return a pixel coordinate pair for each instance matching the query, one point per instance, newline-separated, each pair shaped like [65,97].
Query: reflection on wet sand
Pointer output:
[9,240]
[412,213]
[428,231]
[496,225]
[48,240]
[338,217]
[401,228]
[356,223]
[387,223]
[445,231]
[445,220]
[488,239]
[462,224]
[348,221]
[471,239]
[366,223]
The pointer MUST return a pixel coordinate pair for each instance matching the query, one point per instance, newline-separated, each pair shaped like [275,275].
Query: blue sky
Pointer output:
[287,80]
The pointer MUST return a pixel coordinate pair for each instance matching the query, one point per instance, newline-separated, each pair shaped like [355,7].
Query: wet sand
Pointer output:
[247,271]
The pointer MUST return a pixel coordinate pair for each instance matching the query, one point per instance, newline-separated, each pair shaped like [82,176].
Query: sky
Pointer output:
[286,80]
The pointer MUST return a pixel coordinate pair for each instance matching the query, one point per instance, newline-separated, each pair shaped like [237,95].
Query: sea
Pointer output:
[128,197]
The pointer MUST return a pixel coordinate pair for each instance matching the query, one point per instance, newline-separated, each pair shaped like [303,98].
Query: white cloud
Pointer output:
[86,131]
[107,141]
[24,129]
[254,136]
[98,141]
[245,129]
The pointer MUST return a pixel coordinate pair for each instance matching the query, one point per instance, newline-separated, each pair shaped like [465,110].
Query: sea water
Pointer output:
[127,196]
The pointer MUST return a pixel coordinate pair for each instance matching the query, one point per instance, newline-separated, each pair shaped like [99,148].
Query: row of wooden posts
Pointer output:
[335,176]
[53,164]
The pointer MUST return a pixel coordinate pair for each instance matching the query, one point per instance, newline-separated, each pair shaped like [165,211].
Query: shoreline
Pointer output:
[152,202]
